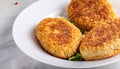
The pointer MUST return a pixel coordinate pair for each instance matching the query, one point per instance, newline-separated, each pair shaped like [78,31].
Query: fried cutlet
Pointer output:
[101,42]
[58,37]
[88,13]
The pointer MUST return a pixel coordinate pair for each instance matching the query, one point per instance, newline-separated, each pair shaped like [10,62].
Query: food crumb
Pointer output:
[16,3]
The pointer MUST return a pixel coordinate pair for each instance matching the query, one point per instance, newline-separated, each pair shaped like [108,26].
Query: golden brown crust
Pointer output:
[64,33]
[117,22]
[101,42]
[58,37]
[88,13]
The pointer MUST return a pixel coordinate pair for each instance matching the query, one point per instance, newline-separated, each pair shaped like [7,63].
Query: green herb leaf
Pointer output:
[77,57]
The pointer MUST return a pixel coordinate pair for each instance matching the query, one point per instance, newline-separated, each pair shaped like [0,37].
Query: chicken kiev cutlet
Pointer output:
[88,13]
[102,41]
[58,37]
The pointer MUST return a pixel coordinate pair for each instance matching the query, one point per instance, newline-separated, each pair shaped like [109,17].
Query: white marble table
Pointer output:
[10,56]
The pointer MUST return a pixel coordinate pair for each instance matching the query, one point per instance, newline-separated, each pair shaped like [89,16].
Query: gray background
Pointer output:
[10,56]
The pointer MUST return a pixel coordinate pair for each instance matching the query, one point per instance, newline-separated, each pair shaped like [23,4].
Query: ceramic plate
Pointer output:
[23,33]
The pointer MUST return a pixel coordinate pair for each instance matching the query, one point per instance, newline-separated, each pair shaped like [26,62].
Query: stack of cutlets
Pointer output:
[97,17]
[62,39]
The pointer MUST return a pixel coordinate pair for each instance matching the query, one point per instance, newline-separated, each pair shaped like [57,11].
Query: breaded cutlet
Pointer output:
[58,37]
[88,13]
[101,42]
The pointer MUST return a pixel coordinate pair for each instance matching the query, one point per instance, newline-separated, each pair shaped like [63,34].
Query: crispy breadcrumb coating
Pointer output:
[58,37]
[89,13]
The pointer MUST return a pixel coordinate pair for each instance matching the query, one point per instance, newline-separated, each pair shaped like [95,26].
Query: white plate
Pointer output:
[23,33]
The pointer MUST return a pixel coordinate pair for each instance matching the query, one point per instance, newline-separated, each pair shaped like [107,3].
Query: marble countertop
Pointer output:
[11,57]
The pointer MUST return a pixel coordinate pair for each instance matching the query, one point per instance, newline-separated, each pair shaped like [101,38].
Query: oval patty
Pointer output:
[101,42]
[89,13]
[58,37]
